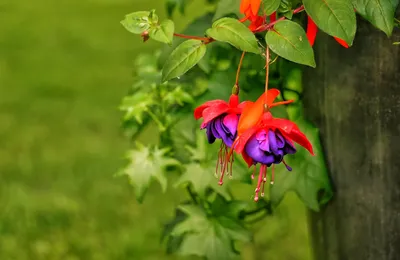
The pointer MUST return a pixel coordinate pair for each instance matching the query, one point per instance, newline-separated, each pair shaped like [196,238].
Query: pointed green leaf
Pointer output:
[144,166]
[235,33]
[335,17]
[202,177]
[163,32]
[137,22]
[207,235]
[270,6]
[309,176]
[379,12]
[183,58]
[289,41]
[135,106]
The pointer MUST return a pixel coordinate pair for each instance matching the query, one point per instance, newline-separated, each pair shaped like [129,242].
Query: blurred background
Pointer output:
[64,67]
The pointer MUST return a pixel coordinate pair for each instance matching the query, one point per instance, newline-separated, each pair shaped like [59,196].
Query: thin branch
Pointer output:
[238,69]
[266,27]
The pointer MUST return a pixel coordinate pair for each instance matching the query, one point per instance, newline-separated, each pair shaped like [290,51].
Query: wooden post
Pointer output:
[354,98]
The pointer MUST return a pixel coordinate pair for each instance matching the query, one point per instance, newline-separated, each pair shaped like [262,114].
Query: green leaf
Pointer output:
[289,41]
[144,165]
[270,6]
[309,175]
[227,7]
[235,33]
[201,178]
[137,22]
[208,235]
[163,32]
[183,58]
[379,12]
[135,106]
[335,17]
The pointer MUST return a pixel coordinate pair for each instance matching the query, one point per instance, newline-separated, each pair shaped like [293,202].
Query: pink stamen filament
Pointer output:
[254,172]
[260,180]
[264,181]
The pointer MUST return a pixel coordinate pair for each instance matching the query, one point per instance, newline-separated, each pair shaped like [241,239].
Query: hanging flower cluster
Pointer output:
[248,128]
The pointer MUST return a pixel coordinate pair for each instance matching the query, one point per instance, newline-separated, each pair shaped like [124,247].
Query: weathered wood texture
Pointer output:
[354,98]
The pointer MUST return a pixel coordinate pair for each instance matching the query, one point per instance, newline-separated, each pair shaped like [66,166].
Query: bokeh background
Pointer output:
[64,67]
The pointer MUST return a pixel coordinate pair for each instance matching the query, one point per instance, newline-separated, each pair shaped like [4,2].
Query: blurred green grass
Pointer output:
[64,66]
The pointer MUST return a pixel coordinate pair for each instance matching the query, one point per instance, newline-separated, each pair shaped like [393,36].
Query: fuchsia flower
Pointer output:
[220,119]
[266,140]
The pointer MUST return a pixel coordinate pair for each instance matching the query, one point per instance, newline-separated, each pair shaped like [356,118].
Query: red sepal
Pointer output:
[341,42]
[312,30]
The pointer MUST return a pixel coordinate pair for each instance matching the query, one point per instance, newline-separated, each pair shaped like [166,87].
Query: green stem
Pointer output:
[158,122]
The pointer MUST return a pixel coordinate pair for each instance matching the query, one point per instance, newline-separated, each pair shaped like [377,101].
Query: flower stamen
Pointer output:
[260,180]
[264,181]
[287,166]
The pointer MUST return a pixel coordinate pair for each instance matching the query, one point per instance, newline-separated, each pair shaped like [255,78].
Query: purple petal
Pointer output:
[214,127]
[280,140]
[261,135]
[210,136]
[258,155]
[231,122]
[264,145]
[272,141]
[223,132]
[289,148]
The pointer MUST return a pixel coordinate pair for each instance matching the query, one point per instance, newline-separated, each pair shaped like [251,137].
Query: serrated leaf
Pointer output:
[183,58]
[163,32]
[226,7]
[235,33]
[145,165]
[379,12]
[270,6]
[309,175]
[201,178]
[289,41]
[137,22]
[135,106]
[335,17]
[208,236]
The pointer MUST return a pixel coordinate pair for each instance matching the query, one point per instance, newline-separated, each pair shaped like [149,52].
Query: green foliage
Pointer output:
[379,12]
[146,164]
[137,22]
[270,6]
[163,33]
[209,232]
[309,175]
[183,58]
[147,23]
[289,41]
[235,33]
[335,17]
[212,223]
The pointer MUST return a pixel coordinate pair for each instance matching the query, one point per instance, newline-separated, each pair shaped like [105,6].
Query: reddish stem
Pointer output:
[238,69]
[266,27]
[205,39]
